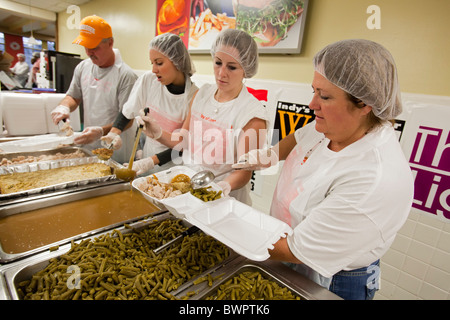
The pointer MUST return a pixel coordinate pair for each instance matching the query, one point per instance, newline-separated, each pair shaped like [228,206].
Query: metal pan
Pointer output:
[12,274]
[275,271]
[64,151]
[16,197]
[78,214]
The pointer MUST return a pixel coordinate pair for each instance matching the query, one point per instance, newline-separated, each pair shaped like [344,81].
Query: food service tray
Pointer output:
[272,270]
[12,274]
[6,199]
[38,142]
[46,152]
[180,205]
[62,199]
[246,230]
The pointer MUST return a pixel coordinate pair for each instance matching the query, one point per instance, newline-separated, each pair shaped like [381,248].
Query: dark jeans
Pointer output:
[358,284]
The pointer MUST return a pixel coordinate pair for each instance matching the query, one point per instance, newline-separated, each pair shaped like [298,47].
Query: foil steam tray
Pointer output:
[47,165]
[45,152]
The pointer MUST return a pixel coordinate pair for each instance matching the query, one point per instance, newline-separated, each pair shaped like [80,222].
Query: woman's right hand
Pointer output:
[143,165]
[257,159]
[151,127]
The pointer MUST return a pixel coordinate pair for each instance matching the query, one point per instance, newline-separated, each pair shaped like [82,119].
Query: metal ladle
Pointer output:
[128,174]
[205,177]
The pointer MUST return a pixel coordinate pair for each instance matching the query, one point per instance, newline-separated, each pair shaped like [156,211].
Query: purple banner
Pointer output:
[430,164]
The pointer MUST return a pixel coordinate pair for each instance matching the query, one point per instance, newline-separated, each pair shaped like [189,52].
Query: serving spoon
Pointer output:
[205,177]
[127,173]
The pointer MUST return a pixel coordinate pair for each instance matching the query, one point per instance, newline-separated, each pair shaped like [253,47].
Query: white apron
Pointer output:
[213,131]
[100,104]
[169,110]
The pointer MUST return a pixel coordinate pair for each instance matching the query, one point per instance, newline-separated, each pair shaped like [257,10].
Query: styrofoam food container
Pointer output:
[246,230]
[180,205]
[36,143]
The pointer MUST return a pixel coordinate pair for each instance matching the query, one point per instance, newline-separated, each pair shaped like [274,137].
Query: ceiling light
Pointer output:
[31,40]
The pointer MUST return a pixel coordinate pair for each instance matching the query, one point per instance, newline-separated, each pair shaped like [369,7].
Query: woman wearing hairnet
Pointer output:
[345,187]
[166,90]
[225,120]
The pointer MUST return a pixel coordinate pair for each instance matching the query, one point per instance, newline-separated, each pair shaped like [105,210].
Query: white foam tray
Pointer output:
[246,230]
[180,205]
[37,143]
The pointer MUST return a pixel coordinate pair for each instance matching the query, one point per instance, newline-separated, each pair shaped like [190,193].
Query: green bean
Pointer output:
[100,295]
[108,286]
[205,194]
[137,283]
[124,266]
[249,286]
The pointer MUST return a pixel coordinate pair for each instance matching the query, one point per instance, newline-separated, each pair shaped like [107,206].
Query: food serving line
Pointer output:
[98,225]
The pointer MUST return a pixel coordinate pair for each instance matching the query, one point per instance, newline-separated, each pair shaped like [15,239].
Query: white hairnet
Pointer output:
[246,52]
[172,47]
[364,69]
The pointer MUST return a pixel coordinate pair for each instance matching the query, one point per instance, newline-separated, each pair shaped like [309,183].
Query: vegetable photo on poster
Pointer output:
[276,25]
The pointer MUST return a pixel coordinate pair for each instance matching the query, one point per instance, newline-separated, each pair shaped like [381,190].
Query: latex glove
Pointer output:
[151,128]
[226,188]
[142,166]
[89,135]
[257,159]
[112,139]
[59,113]
[139,154]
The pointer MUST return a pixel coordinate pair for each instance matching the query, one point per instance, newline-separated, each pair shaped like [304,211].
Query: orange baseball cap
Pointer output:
[93,30]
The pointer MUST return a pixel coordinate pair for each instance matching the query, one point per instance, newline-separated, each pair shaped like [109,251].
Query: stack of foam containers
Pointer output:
[26,114]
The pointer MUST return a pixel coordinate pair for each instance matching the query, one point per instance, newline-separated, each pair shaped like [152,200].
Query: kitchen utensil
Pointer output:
[189,231]
[128,174]
[65,130]
[205,177]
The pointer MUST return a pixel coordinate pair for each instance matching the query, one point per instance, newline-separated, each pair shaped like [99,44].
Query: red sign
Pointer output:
[13,45]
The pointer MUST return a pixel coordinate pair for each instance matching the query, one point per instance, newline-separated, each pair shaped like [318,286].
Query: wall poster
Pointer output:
[426,143]
[276,25]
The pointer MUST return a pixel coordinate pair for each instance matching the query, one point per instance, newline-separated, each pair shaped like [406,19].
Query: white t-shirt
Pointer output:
[21,70]
[170,110]
[103,92]
[213,129]
[345,207]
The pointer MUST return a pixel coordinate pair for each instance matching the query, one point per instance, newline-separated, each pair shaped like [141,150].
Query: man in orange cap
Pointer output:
[102,83]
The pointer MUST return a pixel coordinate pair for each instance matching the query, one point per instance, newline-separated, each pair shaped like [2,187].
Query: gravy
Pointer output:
[36,228]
